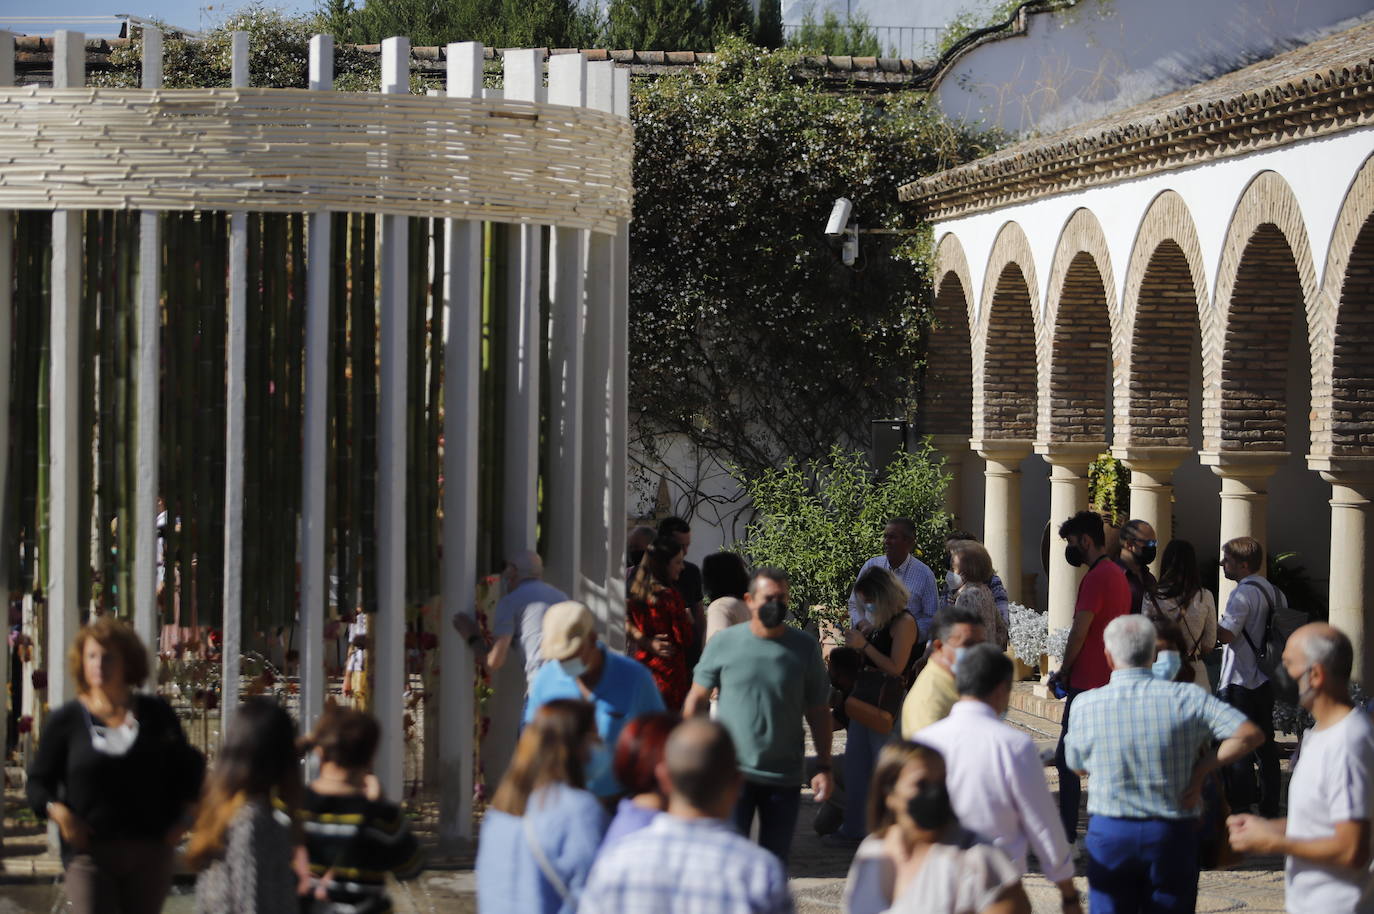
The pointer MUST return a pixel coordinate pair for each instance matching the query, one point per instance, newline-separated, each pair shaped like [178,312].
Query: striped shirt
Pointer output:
[681,866]
[1140,738]
[919,582]
[357,841]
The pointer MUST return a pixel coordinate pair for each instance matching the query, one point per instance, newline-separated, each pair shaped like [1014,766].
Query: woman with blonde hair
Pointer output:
[542,830]
[916,857]
[886,649]
[115,773]
[241,847]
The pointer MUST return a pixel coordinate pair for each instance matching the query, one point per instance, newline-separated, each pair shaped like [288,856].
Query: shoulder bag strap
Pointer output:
[1268,604]
[542,859]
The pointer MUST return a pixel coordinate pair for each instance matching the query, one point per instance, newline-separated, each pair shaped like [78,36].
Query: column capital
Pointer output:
[1353,472]
[1247,465]
[1152,461]
[1002,450]
[1072,455]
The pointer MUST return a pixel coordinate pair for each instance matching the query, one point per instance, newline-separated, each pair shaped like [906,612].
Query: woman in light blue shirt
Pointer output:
[542,831]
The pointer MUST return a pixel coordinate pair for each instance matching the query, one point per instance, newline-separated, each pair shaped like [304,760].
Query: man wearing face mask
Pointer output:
[899,538]
[995,777]
[1103,594]
[1147,744]
[932,695]
[1138,549]
[1242,683]
[770,677]
[580,667]
[1326,836]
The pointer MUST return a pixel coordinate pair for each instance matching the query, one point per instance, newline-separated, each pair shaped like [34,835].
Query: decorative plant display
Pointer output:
[1057,642]
[1029,632]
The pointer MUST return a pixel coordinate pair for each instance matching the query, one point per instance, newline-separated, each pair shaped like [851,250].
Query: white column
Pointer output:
[1068,495]
[1152,489]
[1244,499]
[64,437]
[596,554]
[1002,507]
[524,351]
[236,359]
[953,448]
[389,674]
[147,420]
[6,341]
[620,388]
[567,293]
[1352,570]
[462,366]
[314,439]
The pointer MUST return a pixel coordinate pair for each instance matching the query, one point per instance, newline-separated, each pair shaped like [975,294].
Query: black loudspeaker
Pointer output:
[889,440]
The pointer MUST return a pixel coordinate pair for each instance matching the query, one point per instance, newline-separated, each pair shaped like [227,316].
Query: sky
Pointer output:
[195,15]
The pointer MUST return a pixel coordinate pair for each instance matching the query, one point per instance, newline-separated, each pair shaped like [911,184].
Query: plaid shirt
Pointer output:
[923,595]
[1139,738]
[677,866]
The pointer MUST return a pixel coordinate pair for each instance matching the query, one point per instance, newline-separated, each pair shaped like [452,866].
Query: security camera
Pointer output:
[839,217]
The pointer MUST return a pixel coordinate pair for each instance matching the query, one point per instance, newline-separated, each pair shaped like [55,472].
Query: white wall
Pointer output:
[1102,56]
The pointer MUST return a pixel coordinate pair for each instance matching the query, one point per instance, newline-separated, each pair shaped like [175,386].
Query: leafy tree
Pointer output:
[657,25]
[823,519]
[768,29]
[749,339]
[495,23]
[852,36]
[728,17]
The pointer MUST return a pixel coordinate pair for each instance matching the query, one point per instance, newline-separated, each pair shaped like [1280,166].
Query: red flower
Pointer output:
[39,679]
[26,723]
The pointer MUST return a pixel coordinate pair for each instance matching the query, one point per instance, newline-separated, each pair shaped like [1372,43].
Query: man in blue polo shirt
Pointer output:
[578,666]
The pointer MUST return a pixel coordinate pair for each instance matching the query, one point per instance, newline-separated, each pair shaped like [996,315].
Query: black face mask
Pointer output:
[1286,688]
[772,613]
[1147,553]
[930,808]
[1073,554]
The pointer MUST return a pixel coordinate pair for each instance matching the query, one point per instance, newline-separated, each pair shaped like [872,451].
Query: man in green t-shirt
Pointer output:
[770,676]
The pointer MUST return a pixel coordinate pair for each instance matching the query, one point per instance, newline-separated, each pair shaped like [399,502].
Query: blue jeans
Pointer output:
[1142,866]
[1070,786]
[861,749]
[777,807]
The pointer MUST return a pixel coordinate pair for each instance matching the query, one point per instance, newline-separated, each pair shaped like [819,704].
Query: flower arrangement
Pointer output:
[1057,642]
[1028,629]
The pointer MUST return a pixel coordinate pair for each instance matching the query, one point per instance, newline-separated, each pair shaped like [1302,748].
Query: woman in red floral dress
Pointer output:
[657,622]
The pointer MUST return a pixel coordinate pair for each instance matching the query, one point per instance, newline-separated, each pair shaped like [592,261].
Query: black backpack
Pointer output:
[1279,625]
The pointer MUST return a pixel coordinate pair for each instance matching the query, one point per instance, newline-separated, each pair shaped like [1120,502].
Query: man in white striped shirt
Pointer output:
[899,538]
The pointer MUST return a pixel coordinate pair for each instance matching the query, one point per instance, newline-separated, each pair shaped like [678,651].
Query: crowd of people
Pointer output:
[669,778]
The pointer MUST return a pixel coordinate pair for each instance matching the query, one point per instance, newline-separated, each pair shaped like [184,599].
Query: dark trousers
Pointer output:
[1242,790]
[127,877]
[777,808]
[1141,865]
[1070,786]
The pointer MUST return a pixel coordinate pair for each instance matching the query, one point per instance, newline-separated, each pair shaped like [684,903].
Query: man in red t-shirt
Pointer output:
[1103,595]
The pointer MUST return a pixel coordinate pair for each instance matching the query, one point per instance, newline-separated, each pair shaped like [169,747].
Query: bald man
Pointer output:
[691,859]
[1326,836]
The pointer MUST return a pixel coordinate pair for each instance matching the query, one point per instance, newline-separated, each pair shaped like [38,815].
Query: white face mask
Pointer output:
[573,666]
[869,611]
[953,581]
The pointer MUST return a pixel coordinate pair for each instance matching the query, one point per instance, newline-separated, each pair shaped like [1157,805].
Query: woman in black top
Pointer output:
[115,772]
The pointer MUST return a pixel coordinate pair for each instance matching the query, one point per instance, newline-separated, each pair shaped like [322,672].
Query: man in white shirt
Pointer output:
[1330,798]
[1242,684]
[899,538]
[995,777]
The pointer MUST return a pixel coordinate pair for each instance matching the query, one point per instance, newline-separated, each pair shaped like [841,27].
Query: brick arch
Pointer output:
[950,258]
[1266,272]
[947,389]
[1074,337]
[1004,355]
[1161,308]
[1343,372]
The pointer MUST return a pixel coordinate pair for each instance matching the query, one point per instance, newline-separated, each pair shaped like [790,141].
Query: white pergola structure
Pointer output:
[539,158]
[1189,283]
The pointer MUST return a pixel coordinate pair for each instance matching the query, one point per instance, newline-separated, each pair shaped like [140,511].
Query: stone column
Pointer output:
[1152,488]
[954,448]
[1068,495]
[1002,507]
[1244,498]
[1352,571]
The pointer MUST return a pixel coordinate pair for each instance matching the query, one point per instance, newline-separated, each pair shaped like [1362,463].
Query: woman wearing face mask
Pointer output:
[542,831]
[917,859]
[115,772]
[1179,598]
[886,646]
[657,622]
[969,583]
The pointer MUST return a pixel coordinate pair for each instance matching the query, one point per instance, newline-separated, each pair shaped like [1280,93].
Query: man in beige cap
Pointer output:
[578,666]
